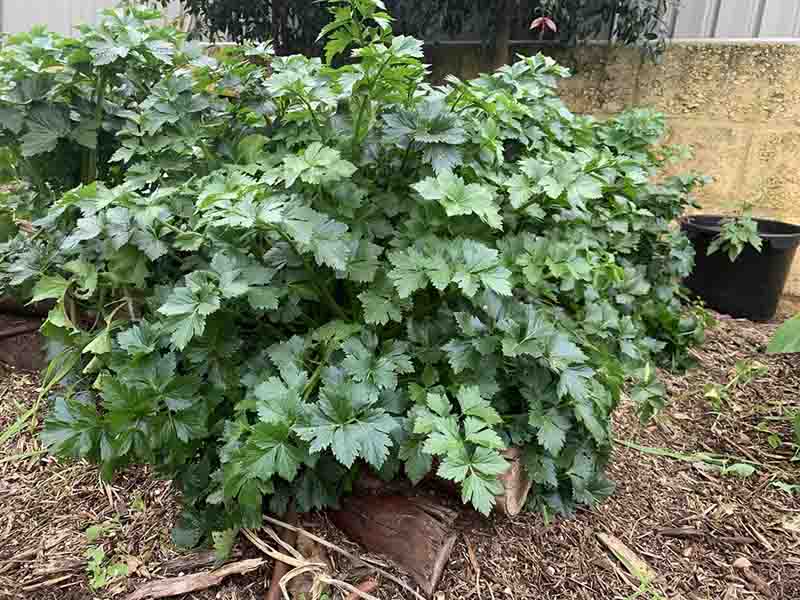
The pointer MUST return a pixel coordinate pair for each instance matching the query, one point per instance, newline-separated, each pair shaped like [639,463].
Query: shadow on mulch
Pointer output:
[679,514]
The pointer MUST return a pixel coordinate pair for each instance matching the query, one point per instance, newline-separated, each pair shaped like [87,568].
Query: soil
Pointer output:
[704,534]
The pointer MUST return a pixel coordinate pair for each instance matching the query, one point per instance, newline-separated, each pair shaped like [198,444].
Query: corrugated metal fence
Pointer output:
[61,16]
[737,19]
[694,19]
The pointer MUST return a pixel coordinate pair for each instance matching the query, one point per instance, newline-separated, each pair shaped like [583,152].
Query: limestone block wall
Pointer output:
[736,104]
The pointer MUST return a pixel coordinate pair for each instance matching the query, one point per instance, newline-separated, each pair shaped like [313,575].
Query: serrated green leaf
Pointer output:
[461,355]
[574,383]
[542,469]
[406,46]
[46,125]
[417,463]
[364,264]
[315,165]
[585,412]
[562,352]
[439,404]
[263,298]
[276,454]
[188,531]
[223,543]
[473,404]
[786,338]
[552,431]
[101,344]
[445,438]
[379,309]
[457,198]
[489,462]
[408,274]
[477,432]
[481,266]
[455,466]
[276,403]
[50,287]
[481,492]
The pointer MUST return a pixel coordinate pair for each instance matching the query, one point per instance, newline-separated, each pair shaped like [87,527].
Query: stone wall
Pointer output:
[736,104]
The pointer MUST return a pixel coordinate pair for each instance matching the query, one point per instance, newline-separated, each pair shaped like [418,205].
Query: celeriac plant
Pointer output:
[736,233]
[306,271]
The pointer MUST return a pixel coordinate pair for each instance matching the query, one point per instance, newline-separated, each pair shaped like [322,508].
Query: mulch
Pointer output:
[693,525]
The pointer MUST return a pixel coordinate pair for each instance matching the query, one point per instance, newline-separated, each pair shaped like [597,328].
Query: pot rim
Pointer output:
[712,224]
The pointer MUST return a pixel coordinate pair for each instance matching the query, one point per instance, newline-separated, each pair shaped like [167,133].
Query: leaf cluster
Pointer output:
[736,234]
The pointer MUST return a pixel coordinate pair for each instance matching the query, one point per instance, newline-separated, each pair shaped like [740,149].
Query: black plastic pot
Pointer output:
[751,286]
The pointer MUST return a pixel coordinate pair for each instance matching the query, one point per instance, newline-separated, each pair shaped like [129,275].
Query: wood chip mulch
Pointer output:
[706,535]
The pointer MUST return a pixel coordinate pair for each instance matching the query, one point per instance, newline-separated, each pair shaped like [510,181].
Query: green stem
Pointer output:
[312,383]
[316,375]
[91,170]
[535,199]
[34,174]
[458,99]
[357,126]
[321,290]
[405,157]
[171,227]
[362,108]
[101,300]
[324,292]
[317,124]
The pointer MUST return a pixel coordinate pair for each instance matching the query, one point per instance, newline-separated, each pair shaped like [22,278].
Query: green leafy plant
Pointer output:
[95,532]
[102,571]
[745,371]
[787,337]
[787,488]
[736,234]
[722,463]
[301,272]
[742,470]
[785,341]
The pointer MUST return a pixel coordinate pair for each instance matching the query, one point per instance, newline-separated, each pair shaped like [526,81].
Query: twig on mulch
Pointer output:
[476,567]
[681,532]
[280,568]
[629,559]
[300,564]
[186,584]
[192,562]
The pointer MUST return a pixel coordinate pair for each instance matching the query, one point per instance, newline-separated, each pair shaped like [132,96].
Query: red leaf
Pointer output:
[542,22]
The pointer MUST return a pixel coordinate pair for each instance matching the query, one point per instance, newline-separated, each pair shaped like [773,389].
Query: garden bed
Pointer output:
[672,509]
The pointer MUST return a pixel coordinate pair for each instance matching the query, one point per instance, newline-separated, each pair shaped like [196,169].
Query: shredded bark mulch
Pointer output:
[705,533]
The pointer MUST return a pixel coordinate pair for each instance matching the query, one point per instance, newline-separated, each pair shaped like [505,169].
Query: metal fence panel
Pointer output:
[696,19]
[58,15]
[737,19]
[780,19]
[61,16]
